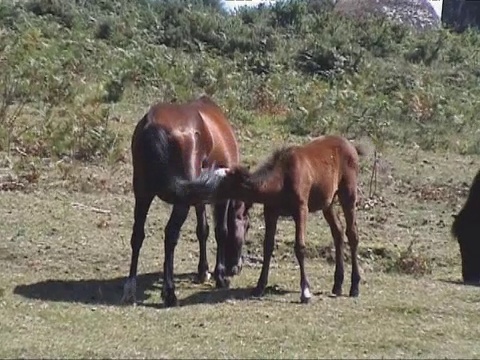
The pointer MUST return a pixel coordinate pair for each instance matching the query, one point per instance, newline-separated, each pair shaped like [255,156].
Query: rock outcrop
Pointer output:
[418,14]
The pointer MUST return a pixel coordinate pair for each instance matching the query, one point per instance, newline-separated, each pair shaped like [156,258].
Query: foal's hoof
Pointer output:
[222,283]
[202,277]
[304,299]
[257,292]
[354,292]
[306,296]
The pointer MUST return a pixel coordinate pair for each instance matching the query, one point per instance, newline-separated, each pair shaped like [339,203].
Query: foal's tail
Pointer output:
[159,158]
[361,149]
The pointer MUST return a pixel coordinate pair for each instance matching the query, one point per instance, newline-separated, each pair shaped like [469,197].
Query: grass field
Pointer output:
[64,265]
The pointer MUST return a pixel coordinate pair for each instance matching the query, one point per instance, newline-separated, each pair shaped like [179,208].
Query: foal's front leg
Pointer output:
[271,219]
[300,227]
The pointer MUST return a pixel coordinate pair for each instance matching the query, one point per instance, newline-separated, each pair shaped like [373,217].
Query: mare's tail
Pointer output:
[159,157]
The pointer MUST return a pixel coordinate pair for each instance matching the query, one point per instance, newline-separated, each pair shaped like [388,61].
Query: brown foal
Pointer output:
[293,182]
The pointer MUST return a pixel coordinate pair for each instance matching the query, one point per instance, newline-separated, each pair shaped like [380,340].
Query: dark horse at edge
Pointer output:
[170,146]
[466,229]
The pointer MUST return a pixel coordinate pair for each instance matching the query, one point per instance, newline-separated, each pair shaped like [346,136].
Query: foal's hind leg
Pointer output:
[142,205]
[202,236]
[337,234]
[172,233]
[300,229]
[348,199]
[220,213]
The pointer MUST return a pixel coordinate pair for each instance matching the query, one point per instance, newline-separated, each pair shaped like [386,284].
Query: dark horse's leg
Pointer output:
[172,233]
[270,218]
[220,213]
[202,236]
[348,199]
[337,234]
[142,205]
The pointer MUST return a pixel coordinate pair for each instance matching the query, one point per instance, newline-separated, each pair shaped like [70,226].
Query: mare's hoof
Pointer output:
[354,292]
[222,283]
[236,270]
[128,300]
[170,300]
[337,291]
[257,292]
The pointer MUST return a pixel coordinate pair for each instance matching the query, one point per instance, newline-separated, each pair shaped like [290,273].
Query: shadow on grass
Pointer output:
[94,291]
[110,291]
[459,282]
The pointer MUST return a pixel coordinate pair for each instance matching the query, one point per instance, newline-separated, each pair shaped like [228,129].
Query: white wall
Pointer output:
[437,5]
[233,4]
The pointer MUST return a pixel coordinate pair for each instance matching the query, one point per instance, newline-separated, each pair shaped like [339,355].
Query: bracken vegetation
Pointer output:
[65,64]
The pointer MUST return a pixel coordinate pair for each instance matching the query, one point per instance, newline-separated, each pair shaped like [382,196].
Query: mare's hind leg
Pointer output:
[220,213]
[348,199]
[142,205]
[337,234]
[202,236]
[172,233]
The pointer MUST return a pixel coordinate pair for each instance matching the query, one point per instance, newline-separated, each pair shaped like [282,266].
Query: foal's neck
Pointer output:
[263,188]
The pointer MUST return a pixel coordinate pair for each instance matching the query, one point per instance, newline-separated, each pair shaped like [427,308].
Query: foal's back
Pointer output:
[321,167]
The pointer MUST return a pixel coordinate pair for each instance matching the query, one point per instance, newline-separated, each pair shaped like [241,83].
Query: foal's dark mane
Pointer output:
[264,172]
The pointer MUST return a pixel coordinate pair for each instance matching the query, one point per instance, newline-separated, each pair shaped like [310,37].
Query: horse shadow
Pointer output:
[459,282]
[94,291]
[110,291]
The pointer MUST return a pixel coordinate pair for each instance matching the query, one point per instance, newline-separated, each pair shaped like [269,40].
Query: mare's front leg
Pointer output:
[203,231]
[271,218]
[220,213]
[172,233]
[300,229]
[142,205]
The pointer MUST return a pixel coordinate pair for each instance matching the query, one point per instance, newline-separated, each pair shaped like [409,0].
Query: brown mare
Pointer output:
[293,182]
[170,145]
[466,229]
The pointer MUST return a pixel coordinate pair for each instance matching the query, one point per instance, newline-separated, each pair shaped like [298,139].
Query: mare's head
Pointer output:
[466,229]
[238,226]
[234,184]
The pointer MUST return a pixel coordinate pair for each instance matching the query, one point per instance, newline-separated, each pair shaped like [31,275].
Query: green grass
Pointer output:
[64,266]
